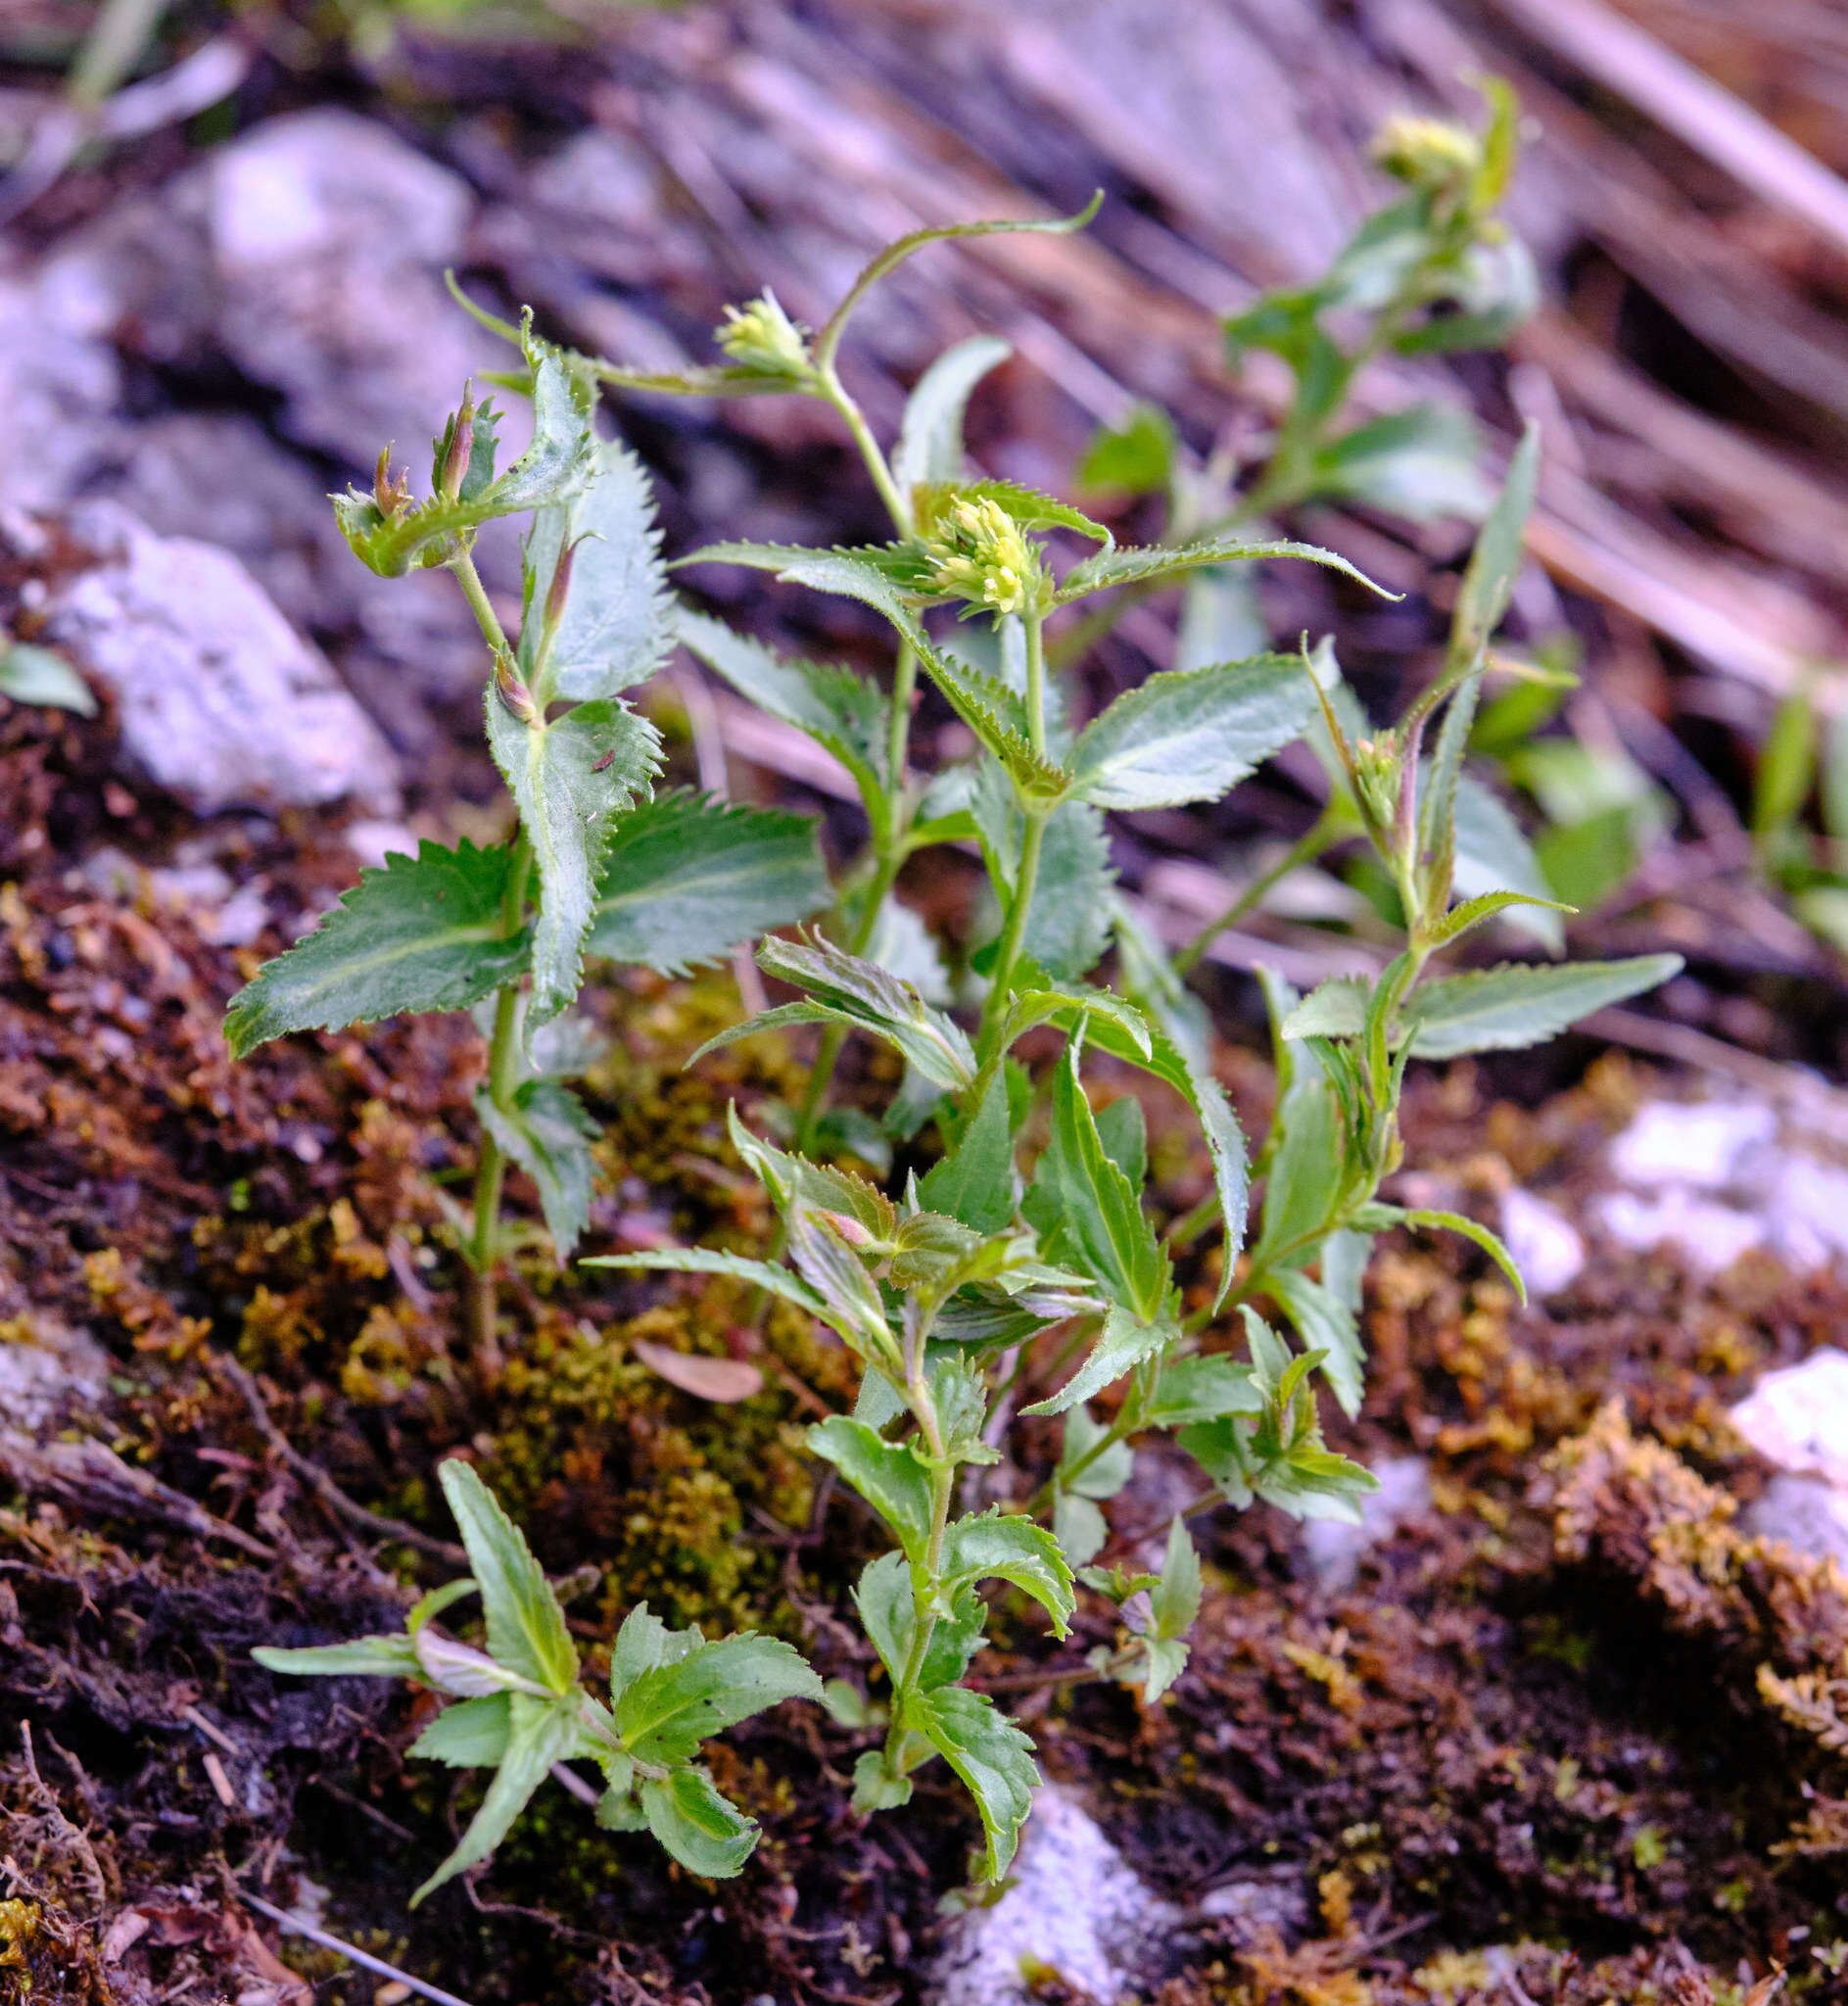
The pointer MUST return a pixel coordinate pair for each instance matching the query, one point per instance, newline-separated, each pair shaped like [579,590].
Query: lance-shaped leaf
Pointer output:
[686,878]
[401,536]
[974,1180]
[1201,1388]
[1494,563]
[888,1607]
[1328,1325]
[526,1627]
[1190,735]
[849,990]
[364,1657]
[992,1755]
[1501,1009]
[545,1128]
[842,712]
[616,627]
[1010,1547]
[420,933]
[886,1474]
[1146,564]
[1173,1604]
[667,1710]
[1493,855]
[539,1733]
[1127,1339]
[697,1823]
[571,779]
[1376,1218]
[930,439]
[835,1271]
[763,1274]
[473,1733]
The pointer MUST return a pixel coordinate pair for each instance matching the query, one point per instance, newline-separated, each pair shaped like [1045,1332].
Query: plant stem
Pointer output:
[504,1070]
[476,593]
[925,1584]
[1323,835]
[897,506]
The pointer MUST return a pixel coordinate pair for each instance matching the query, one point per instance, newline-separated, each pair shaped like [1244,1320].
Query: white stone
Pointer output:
[1806,1210]
[1805,1513]
[1710,1237]
[221,702]
[39,1380]
[1798,1418]
[1335,1547]
[1698,1143]
[1546,1244]
[1074,1906]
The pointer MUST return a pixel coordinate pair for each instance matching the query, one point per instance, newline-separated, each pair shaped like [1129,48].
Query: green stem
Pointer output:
[926,1588]
[503,1077]
[476,593]
[995,1009]
[897,505]
[1328,829]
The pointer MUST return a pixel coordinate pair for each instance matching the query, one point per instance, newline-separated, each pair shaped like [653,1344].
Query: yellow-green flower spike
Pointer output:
[1429,153]
[977,553]
[761,336]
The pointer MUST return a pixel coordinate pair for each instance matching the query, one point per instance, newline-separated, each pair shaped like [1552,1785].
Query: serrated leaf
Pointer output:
[930,439]
[1190,735]
[686,878]
[697,1826]
[526,1627]
[1423,463]
[1010,1547]
[1067,923]
[865,996]
[886,1474]
[540,1731]
[990,1754]
[558,464]
[1327,1324]
[545,1129]
[886,1603]
[473,1733]
[35,674]
[797,1185]
[1502,1009]
[1377,1216]
[642,1644]
[666,1711]
[708,1261]
[1142,564]
[418,934]
[841,711]
[365,1657]
[1476,912]
[1127,1338]
[1334,1009]
[1201,1388]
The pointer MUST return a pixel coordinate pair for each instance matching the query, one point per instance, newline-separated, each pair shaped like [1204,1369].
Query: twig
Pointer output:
[374,1524]
[74,1835]
[351,1951]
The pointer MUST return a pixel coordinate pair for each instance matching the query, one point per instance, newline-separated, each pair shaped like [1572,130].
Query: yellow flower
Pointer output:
[761,336]
[978,553]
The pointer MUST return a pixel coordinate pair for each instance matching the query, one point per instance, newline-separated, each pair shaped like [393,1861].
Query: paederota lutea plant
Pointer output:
[1023,1273]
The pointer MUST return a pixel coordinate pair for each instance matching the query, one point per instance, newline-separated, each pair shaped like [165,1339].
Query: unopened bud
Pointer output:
[390,495]
[559,591]
[512,691]
[761,336]
[468,1674]
[1429,153]
[457,446]
[846,1227]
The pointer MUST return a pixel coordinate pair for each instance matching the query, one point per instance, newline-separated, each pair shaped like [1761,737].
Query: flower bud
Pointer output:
[457,446]
[559,591]
[390,495]
[977,553]
[762,337]
[1429,153]
[512,691]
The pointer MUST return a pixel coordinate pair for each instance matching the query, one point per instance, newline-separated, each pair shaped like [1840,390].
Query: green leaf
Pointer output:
[708,1261]
[887,1607]
[1190,735]
[1127,1339]
[886,1474]
[1079,1526]
[1067,923]
[1175,1601]
[1308,1167]
[35,674]
[1475,912]
[990,1754]
[1201,1388]
[1088,1212]
[642,1644]
[1134,457]
[1010,1547]
[1495,561]
[1786,765]
[1376,1218]
[1105,1473]
[526,1627]
[975,1182]
[558,464]
[841,711]
[798,1185]
[1422,463]
[896,254]
[865,995]
[930,439]
[1148,563]
[617,624]
[365,1657]
[419,934]
[1493,855]
[686,878]
[1328,1325]
[1028,506]
[667,1710]
[545,1129]
[851,1301]
[473,1733]
[571,780]
[703,1829]
[1501,1009]
[540,1731]
[1334,1009]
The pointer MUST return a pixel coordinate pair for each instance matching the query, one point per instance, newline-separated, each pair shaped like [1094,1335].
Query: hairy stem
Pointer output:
[925,1586]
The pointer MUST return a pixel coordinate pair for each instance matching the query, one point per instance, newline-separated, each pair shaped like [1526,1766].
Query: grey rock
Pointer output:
[1336,1548]
[1806,1512]
[1546,1244]
[222,701]
[329,236]
[59,387]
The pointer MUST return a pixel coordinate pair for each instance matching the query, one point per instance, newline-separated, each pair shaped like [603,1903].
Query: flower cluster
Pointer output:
[762,337]
[977,551]
[1429,153]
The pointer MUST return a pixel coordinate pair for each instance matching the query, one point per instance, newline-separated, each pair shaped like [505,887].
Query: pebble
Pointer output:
[1547,1246]
[1335,1547]
[1797,1418]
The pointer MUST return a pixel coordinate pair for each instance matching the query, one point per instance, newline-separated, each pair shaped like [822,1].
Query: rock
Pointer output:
[329,236]
[221,702]
[1698,1143]
[1075,1907]
[1804,1513]
[1336,1548]
[1710,1237]
[40,1380]
[59,388]
[1798,1418]
[1546,1244]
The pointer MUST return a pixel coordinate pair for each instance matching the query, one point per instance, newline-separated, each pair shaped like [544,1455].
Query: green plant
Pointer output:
[594,865]
[518,1707]
[1805,757]
[35,674]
